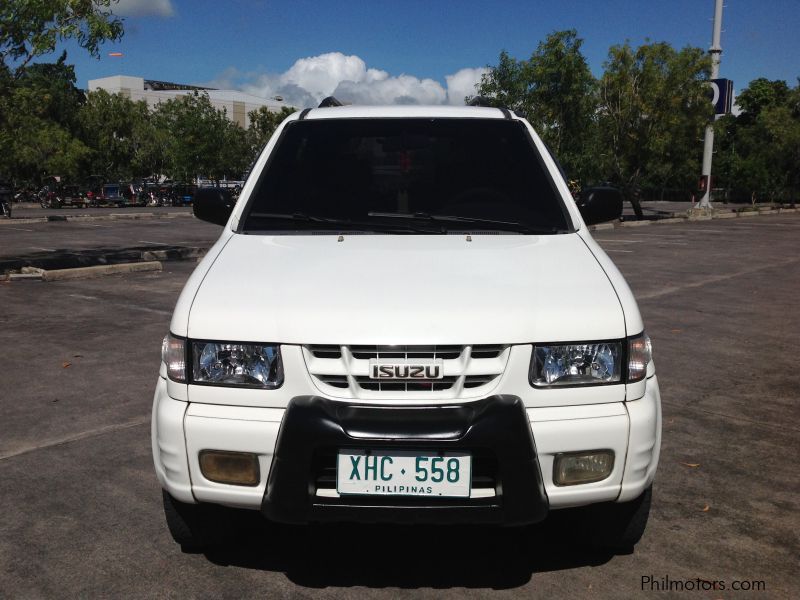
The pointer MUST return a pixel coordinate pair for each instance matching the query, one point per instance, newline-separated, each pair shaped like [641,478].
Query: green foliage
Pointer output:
[761,94]
[32,28]
[563,100]
[508,84]
[263,124]
[39,124]
[758,153]
[556,91]
[111,125]
[201,140]
[39,103]
[653,107]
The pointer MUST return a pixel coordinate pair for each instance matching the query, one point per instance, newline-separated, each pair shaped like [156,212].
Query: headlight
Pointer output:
[591,362]
[231,363]
[576,364]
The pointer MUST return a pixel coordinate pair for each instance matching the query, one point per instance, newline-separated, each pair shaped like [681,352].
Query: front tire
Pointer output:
[196,527]
[618,526]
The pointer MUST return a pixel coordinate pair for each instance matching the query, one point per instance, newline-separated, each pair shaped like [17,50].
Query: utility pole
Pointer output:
[708,147]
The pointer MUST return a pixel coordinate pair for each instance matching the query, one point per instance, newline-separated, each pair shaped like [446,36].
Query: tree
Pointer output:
[758,152]
[39,124]
[236,154]
[112,127]
[556,91]
[263,123]
[39,103]
[508,84]
[762,94]
[653,107]
[201,139]
[30,29]
[563,100]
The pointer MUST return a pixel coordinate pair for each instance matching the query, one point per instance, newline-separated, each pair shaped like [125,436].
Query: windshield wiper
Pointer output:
[344,224]
[297,216]
[507,225]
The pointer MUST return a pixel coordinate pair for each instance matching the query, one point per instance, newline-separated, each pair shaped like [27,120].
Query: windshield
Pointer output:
[405,176]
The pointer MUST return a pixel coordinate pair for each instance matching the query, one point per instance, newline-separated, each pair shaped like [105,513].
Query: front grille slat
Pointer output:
[343,371]
[403,352]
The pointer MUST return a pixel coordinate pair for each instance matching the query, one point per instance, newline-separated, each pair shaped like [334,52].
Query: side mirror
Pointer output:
[214,205]
[600,204]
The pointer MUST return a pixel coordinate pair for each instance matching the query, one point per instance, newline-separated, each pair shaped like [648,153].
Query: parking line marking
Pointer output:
[617,250]
[19,229]
[714,279]
[671,235]
[127,305]
[42,248]
[153,243]
[76,437]
[611,241]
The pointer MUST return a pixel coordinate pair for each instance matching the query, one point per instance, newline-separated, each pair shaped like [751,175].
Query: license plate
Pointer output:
[404,473]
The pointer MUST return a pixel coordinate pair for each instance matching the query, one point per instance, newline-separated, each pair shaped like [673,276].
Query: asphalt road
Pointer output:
[81,514]
[57,244]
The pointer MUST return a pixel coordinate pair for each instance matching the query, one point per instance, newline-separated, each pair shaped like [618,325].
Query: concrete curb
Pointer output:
[33,273]
[22,221]
[89,218]
[690,219]
[180,254]
[100,270]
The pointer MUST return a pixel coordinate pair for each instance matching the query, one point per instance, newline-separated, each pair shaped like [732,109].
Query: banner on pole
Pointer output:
[722,96]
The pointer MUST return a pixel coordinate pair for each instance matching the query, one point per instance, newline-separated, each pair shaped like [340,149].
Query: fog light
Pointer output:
[573,468]
[235,468]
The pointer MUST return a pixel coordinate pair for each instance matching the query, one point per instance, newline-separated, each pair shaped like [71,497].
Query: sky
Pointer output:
[425,52]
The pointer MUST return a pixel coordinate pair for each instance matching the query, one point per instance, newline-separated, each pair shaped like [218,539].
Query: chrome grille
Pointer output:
[468,371]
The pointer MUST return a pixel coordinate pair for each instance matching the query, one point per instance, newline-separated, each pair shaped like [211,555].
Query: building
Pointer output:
[237,104]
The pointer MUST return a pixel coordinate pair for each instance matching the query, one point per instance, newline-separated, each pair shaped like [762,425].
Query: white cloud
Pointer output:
[311,79]
[144,8]
[462,84]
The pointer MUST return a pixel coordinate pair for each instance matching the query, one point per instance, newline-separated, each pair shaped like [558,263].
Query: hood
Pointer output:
[406,289]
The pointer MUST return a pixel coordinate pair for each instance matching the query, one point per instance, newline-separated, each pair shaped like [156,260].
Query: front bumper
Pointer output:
[180,430]
[495,431]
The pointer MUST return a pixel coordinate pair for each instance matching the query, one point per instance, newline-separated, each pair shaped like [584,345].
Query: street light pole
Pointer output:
[708,147]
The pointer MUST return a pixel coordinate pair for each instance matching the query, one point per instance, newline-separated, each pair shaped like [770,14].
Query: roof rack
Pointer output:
[489,103]
[329,101]
[481,101]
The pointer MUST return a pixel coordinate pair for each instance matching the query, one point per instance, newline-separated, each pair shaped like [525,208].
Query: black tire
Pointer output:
[618,526]
[196,527]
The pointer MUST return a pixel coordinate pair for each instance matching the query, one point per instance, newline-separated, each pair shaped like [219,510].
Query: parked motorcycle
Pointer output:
[6,195]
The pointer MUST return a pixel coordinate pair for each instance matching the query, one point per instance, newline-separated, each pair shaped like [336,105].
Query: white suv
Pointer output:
[405,319]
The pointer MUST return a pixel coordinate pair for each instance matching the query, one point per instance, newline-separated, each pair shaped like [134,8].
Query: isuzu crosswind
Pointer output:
[406,319]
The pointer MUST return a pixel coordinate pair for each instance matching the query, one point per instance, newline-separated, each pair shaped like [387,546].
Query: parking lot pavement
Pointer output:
[30,210]
[81,506]
[57,242]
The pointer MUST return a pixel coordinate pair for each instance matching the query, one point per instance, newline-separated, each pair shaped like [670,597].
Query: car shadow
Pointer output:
[407,557]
